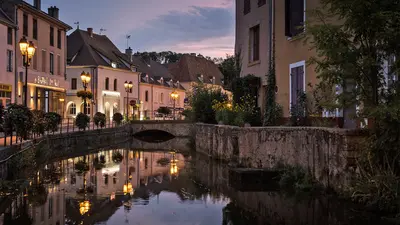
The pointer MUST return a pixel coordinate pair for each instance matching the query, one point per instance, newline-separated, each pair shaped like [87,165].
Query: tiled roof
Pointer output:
[146,77]
[193,69]
[4,19]
[96,50]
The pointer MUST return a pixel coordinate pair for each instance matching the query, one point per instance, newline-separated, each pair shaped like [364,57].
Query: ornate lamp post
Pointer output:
[174,96]
[128,88]
[85,77]
[27,50]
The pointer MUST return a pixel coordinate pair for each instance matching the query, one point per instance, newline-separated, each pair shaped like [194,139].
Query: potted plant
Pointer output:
[82,121]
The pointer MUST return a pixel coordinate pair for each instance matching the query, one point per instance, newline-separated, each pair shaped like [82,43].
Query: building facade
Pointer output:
[253,40]
[46,73]
[7,59]
[97,56]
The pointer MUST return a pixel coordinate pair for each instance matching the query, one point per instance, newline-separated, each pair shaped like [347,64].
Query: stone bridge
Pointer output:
[179,129]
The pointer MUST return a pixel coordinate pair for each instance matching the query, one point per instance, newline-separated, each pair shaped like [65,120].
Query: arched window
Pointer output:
[72,109]
[146,96]
[115,85]
[88,108]
[162,98]
[107,83]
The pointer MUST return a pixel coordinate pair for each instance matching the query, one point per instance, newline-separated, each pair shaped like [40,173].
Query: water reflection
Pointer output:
[138,187]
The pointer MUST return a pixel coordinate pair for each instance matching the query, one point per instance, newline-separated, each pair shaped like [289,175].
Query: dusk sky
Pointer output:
[201,26]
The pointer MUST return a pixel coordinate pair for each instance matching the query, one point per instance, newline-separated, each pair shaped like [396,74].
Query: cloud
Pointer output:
[177,28]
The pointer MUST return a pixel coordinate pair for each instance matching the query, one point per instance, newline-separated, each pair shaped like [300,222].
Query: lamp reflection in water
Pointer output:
[84,207]
[174,167]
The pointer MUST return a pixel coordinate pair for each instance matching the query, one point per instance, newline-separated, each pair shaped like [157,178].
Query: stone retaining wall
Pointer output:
[328,154]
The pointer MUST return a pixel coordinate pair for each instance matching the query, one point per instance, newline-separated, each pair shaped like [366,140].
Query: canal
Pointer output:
[139,187]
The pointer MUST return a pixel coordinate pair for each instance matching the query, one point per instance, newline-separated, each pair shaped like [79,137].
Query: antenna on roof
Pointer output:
[102,30]
[77,23]
[127,40]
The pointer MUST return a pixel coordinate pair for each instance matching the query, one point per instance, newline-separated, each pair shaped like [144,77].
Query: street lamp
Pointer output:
[128,88]
[27,50]
[85,77]
[174,96]
[62,105]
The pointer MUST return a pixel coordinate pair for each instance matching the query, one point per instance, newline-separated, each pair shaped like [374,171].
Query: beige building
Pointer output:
[253,39]
[155,88]
[96,55]
[7,59]
[46,74]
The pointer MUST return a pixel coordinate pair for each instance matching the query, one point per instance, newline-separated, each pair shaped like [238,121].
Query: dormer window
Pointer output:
[162,80]
[114,65]
[213,80]
[147,78]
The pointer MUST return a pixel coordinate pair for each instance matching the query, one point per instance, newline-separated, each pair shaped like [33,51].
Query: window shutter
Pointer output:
[287,18]
[300,83]
[297,17]
[293,80]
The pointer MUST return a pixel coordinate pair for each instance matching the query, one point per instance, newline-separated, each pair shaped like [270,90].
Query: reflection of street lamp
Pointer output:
[84,207]
[62,105]
[27,51]
[174,96]
[85,77]
[174,167]
[128,88]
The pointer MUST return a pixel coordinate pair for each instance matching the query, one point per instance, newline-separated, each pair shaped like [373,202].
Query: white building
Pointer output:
[109,69]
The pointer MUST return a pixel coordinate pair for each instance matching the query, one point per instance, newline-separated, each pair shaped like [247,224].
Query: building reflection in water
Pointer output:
[59,187]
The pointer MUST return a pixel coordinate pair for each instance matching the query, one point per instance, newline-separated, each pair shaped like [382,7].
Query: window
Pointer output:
[107,85]
[162,98]
[115,85]
[261,2]
[34,61]
[247,7]
[254,47]
[44,65]
[9,36]
[146,96]
[51,36]
[294,17]
[58,64]
[9,61]
[25,25]
[88,108]
[74,84]
[59,39]
[296,81]
[51,63]
[35,29]
[114,65]
[72,109]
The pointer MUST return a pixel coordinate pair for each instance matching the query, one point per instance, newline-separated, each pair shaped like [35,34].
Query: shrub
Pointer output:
[117,118]
[38,126]
[117,157]
[18,118]
[99,119]
[226,116]
[201,101]
[164,110]
[81,166]
[82,121]
[52,121]
[296,178]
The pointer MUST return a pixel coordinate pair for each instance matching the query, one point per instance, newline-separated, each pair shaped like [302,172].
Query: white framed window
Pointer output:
[72,109]
[254,44]
[297,80]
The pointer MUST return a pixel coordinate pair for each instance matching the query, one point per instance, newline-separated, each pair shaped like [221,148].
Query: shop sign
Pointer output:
[5,87]
[47,81]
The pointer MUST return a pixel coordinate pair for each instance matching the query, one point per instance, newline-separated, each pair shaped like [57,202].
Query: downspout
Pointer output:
[94,73]
[15,55]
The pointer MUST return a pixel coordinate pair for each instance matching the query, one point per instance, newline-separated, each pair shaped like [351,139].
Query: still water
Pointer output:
[122,186]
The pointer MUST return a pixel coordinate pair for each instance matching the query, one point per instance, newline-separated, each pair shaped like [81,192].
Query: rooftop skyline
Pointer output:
[205,27]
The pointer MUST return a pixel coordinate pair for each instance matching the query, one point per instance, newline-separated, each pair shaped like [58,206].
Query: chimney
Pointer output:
[53,11]
[129,53]
[90,31]
[37,4]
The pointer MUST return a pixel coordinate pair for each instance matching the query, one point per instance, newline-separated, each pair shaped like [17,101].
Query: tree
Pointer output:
[82,121]
[230,67]
[99,119]
[351,52]
[52,121]
[117,118]
[20,119]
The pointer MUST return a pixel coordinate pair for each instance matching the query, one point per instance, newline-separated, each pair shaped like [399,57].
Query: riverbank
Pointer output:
[329,155]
